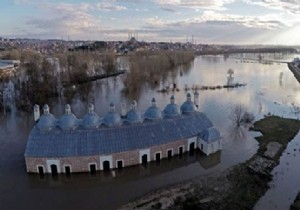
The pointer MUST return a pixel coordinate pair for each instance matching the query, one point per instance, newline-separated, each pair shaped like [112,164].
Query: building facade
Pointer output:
[68,144]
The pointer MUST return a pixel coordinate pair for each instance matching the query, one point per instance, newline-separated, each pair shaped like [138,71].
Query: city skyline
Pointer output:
[219,21]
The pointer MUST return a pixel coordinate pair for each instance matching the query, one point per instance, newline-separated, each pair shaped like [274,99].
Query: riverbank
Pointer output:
[237,188]
[295,70]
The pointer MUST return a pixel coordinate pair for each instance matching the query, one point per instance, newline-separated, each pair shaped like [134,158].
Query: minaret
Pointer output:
[36,112]
[196,99]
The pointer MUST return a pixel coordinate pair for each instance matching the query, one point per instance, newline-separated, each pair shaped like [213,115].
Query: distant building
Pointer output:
[68,144]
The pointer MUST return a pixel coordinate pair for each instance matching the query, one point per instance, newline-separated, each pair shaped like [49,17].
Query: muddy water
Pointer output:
[265,93]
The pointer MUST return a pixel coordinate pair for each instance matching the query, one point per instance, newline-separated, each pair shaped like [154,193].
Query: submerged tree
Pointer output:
[240,116]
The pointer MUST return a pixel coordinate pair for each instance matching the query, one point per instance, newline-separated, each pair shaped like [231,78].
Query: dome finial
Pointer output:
[134,104]
[189,97]
[153,102]
[46,109]
[91,108]
[172,99]
[112,107]
[68,109]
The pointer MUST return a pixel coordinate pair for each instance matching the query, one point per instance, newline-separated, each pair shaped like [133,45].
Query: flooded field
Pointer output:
[270,89]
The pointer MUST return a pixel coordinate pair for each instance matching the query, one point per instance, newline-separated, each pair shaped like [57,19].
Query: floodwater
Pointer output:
[266,92]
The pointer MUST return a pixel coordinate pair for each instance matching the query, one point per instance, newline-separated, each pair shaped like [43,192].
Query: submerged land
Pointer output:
[239,187]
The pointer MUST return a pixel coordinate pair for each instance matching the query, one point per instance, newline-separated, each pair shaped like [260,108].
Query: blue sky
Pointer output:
[208,21]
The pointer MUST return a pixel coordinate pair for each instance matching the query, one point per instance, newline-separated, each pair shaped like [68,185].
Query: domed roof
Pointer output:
[68,121]
[90,119]
[112,118]
[133,116]
[172,109]
[210,135]
[188,106]
[152,113]
[47,121]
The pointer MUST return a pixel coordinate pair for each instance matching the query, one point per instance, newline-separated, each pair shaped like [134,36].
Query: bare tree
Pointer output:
[240,116]
[237,114]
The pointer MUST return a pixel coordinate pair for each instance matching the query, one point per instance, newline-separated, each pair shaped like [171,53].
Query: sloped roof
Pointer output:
[108,140]
[210,135]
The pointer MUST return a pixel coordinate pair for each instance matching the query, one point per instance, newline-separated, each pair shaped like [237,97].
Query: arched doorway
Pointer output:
[192,148]
[54,170]
[93,168]
[106,165]
[144,159]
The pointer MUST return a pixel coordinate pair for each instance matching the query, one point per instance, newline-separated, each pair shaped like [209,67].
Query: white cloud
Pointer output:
[214,27]
[109,7]
[61,19]
[292,6]
[212,17]
[217,4]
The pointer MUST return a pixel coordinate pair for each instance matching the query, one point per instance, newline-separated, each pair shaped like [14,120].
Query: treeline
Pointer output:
[39,78]
[147,67]
[214,51]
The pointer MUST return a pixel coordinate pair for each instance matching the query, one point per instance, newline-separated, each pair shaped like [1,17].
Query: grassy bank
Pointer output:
[248,186]
[276,129]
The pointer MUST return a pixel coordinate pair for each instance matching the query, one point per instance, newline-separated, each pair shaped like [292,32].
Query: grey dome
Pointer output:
[210,135]
[133,116]
[47,121]
[112,118]
[90,119]
[152,113]
[172,109]
[68,121]
[188,106]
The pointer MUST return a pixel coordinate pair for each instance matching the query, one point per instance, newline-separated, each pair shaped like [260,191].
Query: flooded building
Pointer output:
[69,144]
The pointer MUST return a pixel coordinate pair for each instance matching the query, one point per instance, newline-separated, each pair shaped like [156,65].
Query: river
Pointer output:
[270,89]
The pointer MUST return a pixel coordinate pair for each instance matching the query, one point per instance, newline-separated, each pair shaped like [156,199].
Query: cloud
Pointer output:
[292,6]
[109,7]
[214,18]
[217,27]
[195,3]
[63,19]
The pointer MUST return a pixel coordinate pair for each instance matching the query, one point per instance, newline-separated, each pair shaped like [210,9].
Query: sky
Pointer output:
[274,22]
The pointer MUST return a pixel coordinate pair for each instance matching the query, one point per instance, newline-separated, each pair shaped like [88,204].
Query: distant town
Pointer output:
[53,46]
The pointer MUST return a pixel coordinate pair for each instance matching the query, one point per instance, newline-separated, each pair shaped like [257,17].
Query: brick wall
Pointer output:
[81,164]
